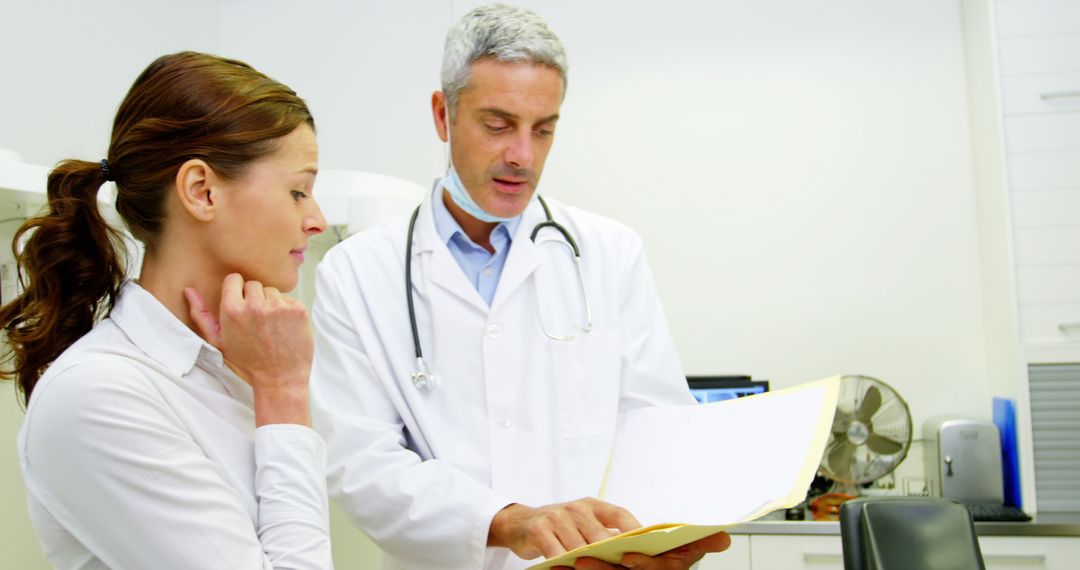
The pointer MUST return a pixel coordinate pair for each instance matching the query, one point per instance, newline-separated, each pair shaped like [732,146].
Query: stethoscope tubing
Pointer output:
[422,376]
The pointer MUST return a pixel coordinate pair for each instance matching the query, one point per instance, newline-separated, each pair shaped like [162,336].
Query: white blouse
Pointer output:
[139,450]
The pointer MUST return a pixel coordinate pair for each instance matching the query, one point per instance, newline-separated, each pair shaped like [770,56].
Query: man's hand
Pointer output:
[675,559]
[554,529]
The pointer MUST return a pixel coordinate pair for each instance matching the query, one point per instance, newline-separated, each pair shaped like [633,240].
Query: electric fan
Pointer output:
[871,433]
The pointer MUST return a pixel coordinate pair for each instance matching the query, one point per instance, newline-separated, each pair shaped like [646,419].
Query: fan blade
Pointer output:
[840,423]
[883,445]
[840,459]
[870,404]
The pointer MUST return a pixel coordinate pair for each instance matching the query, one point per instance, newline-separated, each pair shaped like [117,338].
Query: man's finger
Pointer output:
[615,517]
[586,563]
[681,557]
[204,319]
[569,535]
[718,542]
[550,546]
[590,527]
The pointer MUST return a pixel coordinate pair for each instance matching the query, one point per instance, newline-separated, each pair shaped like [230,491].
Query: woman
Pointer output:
[174,433]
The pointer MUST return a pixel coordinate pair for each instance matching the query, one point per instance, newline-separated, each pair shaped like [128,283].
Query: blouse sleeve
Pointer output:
[108,459]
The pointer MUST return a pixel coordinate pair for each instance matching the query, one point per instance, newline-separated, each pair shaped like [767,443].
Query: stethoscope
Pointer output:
[422,377]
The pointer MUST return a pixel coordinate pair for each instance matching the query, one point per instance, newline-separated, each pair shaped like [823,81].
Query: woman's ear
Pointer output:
[195,188]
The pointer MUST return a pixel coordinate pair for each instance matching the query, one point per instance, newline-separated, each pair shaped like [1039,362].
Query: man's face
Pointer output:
[502,131]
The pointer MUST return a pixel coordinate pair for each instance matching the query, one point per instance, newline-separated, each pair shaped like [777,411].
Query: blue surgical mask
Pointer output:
[460,195]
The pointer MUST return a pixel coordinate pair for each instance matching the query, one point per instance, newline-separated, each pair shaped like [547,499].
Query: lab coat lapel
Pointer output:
[523,258]
[440,268]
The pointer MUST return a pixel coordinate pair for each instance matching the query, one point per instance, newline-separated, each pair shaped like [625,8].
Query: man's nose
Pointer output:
[519,153]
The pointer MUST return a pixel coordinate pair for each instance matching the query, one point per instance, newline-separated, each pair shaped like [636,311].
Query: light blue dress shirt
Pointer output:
[481,267]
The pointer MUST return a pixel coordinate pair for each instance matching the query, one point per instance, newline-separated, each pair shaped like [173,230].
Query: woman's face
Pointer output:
[270,213]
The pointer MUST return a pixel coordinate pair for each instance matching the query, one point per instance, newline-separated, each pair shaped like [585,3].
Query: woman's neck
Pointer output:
[166,281]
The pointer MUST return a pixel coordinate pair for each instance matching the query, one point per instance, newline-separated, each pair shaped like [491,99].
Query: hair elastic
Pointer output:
[105,170]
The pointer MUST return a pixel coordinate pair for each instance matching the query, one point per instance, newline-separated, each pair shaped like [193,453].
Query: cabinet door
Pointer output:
[792,552]
[1030,552]
[736,557]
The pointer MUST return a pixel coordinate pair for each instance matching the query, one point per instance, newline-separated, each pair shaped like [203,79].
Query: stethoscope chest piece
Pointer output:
[422,377]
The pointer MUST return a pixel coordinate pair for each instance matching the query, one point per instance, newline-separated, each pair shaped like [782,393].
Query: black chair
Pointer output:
[908,533]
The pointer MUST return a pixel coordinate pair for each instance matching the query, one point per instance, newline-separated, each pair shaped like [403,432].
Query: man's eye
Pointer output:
[496,128]
[545,129]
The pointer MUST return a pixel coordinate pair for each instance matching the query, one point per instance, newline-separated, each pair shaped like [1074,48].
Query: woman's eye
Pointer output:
[298,195]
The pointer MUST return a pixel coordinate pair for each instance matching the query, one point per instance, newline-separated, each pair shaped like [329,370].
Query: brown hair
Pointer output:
[72,263]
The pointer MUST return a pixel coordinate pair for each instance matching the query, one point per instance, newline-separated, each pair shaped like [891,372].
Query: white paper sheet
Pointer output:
[724,462]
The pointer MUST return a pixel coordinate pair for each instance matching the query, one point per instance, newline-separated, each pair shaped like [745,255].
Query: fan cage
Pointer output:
[891,420]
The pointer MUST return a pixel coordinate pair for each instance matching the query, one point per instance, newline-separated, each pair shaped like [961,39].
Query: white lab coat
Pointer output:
[514,416]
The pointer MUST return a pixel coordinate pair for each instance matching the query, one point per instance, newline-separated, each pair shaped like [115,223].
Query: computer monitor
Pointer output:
[716,388]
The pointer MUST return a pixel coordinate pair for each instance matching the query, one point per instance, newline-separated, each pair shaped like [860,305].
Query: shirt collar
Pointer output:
[158,333]
[446,226]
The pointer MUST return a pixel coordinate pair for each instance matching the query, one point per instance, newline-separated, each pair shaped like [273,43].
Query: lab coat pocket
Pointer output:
[586,374]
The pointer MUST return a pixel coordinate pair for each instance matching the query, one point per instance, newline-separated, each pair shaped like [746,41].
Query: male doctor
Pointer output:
[491,458]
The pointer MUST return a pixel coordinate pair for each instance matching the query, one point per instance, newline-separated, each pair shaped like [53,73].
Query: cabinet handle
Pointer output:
[821,557]
[1067,326]
[1059,94]
[1039,559]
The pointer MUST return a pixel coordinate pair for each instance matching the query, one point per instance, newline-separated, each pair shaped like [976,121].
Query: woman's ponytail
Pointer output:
[71,266]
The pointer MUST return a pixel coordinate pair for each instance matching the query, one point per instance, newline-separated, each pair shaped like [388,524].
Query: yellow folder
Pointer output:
[710,466]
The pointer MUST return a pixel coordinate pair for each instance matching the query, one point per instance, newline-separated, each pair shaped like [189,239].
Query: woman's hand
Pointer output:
[266,339]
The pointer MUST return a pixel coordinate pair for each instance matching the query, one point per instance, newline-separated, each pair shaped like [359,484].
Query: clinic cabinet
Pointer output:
[1036,50]
[823,552]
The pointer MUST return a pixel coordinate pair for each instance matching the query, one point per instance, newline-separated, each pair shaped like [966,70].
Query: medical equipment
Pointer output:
[423,378]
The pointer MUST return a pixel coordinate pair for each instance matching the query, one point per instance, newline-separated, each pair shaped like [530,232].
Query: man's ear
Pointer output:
[440,115]
[194,187]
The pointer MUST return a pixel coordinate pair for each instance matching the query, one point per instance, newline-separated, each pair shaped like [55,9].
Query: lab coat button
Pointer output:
[507,423]
[494,331]
[488,272]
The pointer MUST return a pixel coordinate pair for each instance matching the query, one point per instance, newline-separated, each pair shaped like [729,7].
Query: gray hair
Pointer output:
[503,33]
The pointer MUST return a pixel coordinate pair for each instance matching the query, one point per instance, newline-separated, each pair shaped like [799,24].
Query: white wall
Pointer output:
[67,65]
[801,172]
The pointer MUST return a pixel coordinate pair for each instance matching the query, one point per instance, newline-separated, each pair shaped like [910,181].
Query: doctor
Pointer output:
[484,453]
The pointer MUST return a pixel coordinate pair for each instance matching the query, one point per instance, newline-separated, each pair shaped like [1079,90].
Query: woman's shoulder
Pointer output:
[97,377]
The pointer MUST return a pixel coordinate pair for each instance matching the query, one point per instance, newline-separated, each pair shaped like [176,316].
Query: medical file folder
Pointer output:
[690,471]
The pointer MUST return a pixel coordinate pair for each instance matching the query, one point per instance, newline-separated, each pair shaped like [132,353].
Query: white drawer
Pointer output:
[1049,284]
[1030,552]
[1051,323]
[1039,54]
[736,557]
[1044,169]
[1052,131]
[1031,17]
[1053,207]
[792,552]
[1047,246]
[1041,93]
